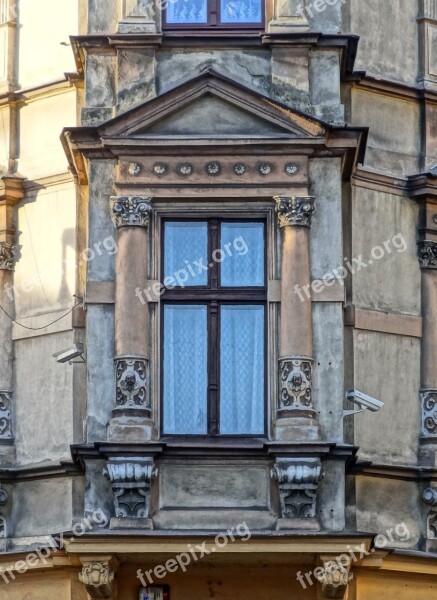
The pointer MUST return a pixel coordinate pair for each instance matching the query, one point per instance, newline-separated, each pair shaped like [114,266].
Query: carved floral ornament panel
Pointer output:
[239,169]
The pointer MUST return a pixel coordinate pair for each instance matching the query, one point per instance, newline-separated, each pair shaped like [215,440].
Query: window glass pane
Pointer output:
[186,254]
[185,369]
[241,11]
[242,256]
[242,370]
[187,11]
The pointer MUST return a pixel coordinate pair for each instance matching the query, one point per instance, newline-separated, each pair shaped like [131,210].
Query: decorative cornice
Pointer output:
[131,211]
[7,254]
[294,210]
[427,250]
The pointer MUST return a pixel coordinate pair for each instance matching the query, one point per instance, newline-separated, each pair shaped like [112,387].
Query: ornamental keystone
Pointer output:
[133,211]
[294,210]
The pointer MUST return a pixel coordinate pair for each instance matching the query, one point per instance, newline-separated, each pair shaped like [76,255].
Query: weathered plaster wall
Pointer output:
[394,140]
[384,504]
[45,53]
[388,30]
[45,270]
[250,67]
[41,122]
[42,507]
[43,399]
[387,367]
[391,283]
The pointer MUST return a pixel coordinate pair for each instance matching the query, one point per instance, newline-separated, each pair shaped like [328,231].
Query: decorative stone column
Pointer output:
[11,192]
[132,418]
[428,393]
[288,17]
[295,414]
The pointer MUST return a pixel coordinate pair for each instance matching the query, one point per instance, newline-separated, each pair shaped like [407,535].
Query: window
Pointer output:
[213,327]
[215,13]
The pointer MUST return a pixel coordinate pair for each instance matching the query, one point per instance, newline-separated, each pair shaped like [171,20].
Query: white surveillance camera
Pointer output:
[68,354]
[364,401]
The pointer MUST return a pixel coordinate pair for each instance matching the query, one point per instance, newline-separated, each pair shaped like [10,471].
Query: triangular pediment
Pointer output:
[211,105]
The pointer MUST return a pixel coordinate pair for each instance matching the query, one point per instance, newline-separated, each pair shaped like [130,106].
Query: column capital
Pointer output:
[427,250]
[131,211]
[294,210]
[7,253]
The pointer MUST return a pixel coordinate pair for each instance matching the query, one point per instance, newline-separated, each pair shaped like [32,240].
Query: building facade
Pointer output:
[216,219]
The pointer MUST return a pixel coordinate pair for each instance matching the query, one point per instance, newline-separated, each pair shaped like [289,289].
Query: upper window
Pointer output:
[215,13]
[213,327]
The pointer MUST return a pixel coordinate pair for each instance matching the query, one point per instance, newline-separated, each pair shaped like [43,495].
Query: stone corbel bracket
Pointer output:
[333,577]
[98,577]
[131,481]
[298,481]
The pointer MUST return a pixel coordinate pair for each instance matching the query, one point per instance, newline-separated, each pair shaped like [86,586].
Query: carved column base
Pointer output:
[296,418]
[298,480]
[301,427]
[428,434]
[131,418]
[289,25]
[333,577]
[129,428]
[289,16]
[98,577]
[131,481]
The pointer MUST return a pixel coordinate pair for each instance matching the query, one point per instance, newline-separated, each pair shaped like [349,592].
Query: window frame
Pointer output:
[213,296]
[213,21]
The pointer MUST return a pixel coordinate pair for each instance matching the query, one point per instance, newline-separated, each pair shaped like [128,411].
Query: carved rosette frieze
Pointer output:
[98,579]
[428,400]
[132,383]
[298,480]
[131,482]
[427,250]
[294,210]
[333,578]
[131,211]
[7,254]
[295,383]
[5,415]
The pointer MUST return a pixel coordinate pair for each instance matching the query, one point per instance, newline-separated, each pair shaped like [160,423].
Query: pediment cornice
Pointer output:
[262,125]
